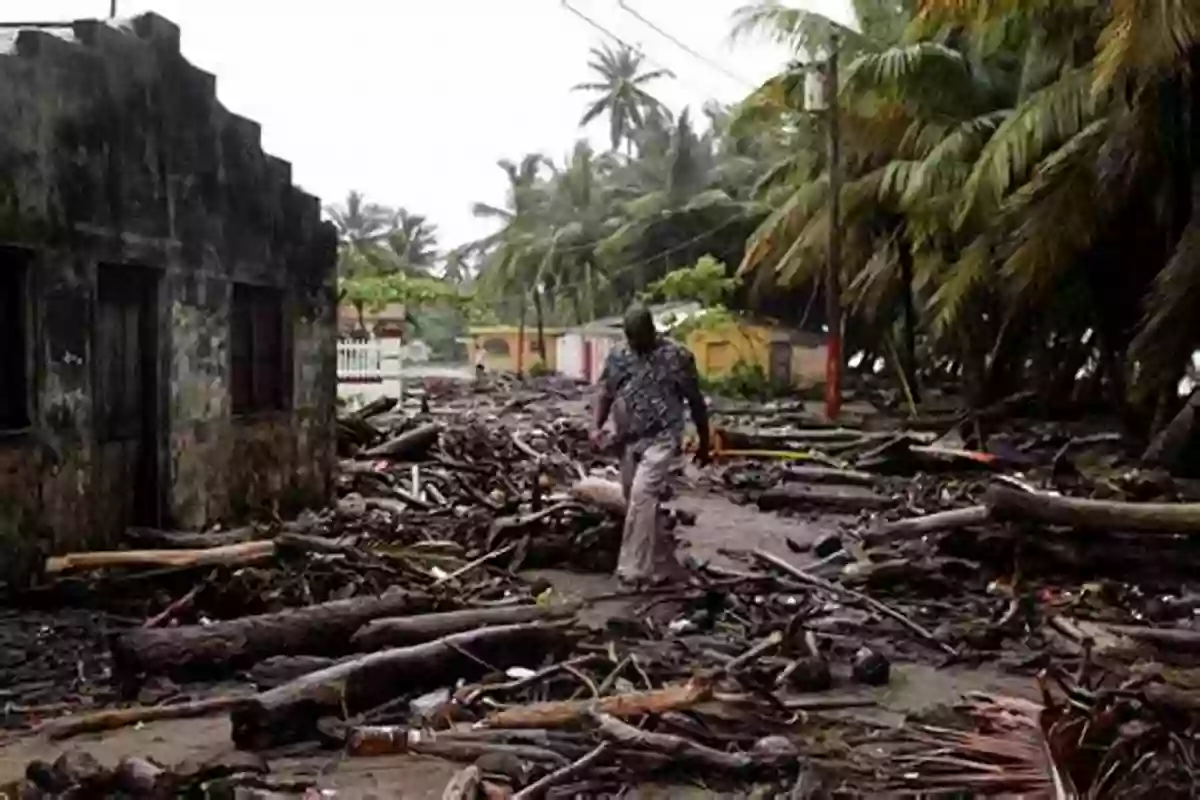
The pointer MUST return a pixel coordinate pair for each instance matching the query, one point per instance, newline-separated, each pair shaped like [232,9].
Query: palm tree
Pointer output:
[361,227]
[510,260]
[414,243]
[359,223]
[622,92]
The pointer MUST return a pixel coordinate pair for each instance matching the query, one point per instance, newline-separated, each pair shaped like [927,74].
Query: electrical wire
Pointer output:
[684,46]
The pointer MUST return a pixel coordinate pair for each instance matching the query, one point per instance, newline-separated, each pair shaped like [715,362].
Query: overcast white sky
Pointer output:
[413,101]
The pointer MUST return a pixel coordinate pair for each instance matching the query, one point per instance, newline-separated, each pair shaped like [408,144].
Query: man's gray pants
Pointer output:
[647,549]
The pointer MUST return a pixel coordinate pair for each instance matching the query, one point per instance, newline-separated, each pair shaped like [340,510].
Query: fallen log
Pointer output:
[1180,639]
[1006,503]
[835,498]
[408,445]
[848,477]
[558,713]
[380,405]
[113,718]
[315,630]
[404,631]
[278,670]
[227,556]
[289,713]
[916,527]
[600,493]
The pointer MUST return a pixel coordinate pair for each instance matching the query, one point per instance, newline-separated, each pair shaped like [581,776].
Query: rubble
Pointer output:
[398,621]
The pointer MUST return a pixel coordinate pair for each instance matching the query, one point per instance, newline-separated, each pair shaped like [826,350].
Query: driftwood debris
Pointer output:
[114,718]
[601,493]
[833,498]
[558,713]
[1007,503]
[315,630]
[916,527]
[228,556]
[290,712]
[408,445]
[404,631]
[846,477]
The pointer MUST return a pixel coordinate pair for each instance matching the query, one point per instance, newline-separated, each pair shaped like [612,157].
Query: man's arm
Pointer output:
[604,400]
[695,401]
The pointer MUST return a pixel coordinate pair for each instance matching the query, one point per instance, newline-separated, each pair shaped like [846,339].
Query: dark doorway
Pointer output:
[780,367]
[127,392]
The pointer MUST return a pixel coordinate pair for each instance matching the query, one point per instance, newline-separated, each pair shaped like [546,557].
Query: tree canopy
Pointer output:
[1020,203]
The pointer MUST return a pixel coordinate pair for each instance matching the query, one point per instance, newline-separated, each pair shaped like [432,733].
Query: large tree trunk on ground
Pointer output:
[405,631]
[1006,503]
[289,713]
[317,630]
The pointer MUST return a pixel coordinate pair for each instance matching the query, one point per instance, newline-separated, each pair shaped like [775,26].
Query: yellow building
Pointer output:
[786,356]
[505,349]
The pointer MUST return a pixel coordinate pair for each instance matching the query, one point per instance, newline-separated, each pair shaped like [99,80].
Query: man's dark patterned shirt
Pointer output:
[650,392]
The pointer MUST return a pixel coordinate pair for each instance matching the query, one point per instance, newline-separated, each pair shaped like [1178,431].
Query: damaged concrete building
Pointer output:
[167,300]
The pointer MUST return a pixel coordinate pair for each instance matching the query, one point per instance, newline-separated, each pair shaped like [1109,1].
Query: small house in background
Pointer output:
[167,299]
[787,357]
[506,348]
[583,349]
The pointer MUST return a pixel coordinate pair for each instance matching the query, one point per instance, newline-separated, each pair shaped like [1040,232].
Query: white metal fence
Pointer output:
[367,370]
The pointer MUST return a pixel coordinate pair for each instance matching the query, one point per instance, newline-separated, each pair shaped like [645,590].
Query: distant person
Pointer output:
[649,382]
[480,363]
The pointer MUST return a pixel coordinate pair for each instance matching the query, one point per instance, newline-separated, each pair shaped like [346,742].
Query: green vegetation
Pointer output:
[1019,205]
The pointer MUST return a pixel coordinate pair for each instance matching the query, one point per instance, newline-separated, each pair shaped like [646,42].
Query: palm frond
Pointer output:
[1146,38]
[1046,120]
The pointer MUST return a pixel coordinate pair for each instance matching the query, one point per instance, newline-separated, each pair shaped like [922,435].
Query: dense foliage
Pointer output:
[1020,204]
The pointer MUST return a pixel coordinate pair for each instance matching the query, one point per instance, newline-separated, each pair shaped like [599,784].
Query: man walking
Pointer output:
[649,382]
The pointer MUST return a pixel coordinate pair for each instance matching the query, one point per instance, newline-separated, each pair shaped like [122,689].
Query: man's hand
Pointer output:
[597,438]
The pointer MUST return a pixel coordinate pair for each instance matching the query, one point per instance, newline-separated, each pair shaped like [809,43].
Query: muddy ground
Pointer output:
[720,523]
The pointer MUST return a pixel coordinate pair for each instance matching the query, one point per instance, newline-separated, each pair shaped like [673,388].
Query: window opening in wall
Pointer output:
[257,345]
[14,340]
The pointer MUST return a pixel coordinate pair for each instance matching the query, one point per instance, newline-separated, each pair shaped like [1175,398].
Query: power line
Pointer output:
[635,48]
[683,45]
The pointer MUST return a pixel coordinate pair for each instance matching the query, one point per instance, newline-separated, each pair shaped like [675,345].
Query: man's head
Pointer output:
[639,329]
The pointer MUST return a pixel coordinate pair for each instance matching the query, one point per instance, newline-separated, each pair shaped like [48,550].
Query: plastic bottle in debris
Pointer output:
[382,740]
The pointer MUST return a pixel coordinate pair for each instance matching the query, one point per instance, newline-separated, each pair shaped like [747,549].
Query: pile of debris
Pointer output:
[396,622]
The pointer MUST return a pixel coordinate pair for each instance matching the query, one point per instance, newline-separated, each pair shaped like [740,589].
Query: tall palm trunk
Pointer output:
[521,338]
[541,332]
[909,356]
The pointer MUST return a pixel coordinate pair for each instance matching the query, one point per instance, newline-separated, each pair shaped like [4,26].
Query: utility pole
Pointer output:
[833,268]
[112,9]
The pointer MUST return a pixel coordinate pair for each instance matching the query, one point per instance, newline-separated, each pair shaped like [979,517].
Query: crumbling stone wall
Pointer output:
[115,150]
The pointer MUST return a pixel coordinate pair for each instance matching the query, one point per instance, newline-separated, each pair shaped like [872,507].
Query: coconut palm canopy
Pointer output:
[1019,203]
